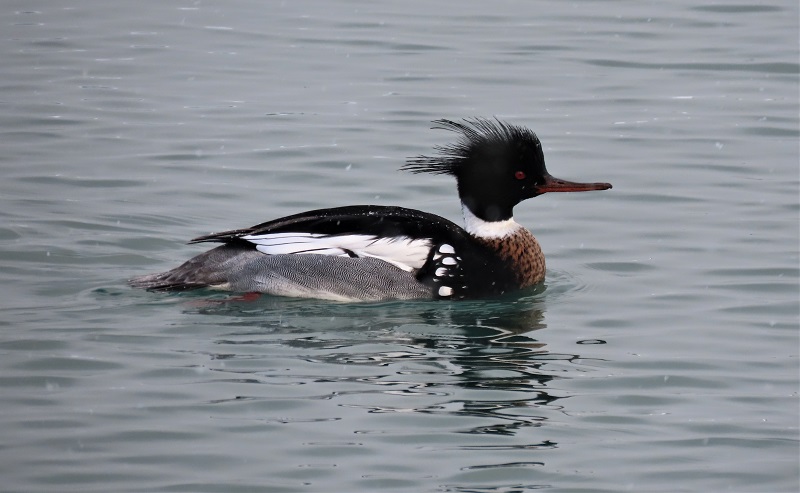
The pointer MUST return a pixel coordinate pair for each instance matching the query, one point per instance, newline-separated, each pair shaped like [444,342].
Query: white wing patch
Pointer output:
[400,251]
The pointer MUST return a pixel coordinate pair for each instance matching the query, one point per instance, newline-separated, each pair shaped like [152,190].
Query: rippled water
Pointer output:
[661,355]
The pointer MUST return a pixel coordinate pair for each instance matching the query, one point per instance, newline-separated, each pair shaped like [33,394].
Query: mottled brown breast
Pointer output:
[523,253]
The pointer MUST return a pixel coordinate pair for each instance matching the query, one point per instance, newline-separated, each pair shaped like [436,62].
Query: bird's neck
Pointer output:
[488,229]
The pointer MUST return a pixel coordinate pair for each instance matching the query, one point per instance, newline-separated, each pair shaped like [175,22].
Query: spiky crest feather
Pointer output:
[476,133]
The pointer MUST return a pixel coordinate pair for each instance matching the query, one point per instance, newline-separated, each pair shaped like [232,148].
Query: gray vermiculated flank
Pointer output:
[318,276]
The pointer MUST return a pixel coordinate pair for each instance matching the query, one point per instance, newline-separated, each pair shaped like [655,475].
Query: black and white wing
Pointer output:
[405,238]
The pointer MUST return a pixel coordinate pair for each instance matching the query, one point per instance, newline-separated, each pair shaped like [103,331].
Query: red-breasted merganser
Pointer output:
[370,252]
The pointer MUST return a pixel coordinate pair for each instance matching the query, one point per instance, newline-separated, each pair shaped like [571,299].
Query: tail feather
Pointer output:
[208,269]
[162,282]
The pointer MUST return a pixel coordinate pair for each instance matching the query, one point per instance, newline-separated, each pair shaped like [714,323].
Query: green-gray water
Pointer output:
[661,356]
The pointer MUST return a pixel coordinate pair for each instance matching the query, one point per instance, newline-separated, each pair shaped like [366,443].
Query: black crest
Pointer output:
[478,136]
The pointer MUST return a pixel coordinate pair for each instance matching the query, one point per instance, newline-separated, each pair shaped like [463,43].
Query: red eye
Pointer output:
[519,175]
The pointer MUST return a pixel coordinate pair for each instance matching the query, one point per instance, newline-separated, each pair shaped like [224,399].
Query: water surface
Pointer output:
[661,354]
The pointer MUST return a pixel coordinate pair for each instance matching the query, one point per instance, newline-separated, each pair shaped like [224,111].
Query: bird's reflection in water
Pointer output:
[423,349]
[479,373]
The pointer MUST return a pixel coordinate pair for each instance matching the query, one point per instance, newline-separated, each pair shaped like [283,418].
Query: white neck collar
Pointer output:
[488,229]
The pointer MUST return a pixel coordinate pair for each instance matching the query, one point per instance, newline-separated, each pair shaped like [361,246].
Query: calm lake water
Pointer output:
[661,355]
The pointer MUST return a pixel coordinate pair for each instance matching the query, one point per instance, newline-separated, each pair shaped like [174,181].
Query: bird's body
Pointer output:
[367,252]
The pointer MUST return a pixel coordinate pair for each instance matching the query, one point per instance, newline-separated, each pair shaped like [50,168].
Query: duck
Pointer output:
[376,252]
